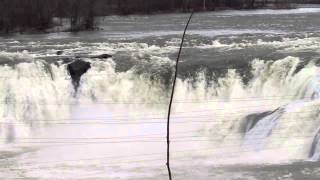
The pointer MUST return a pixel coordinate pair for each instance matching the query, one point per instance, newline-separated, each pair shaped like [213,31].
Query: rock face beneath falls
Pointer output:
[314,152]
[251,120]
[76,69]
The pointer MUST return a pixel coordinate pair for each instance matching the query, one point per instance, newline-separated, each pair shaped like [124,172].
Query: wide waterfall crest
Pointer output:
[276,83]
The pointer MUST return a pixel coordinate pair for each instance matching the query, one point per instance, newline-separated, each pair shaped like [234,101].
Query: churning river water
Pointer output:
[247,103]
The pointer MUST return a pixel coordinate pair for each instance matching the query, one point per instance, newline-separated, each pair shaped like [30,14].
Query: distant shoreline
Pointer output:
[61,24]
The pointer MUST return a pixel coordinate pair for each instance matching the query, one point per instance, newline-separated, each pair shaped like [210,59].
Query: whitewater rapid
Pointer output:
[284,87]
[247,94]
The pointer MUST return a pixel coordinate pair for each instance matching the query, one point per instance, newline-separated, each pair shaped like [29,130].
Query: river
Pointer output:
[246,104]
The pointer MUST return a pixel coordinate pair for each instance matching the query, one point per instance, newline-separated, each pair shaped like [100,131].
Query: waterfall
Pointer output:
[34,92]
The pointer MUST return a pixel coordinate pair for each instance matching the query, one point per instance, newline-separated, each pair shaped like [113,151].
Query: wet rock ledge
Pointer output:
[76,69]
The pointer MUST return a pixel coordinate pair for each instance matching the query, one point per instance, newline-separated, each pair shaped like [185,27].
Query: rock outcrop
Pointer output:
[76,69]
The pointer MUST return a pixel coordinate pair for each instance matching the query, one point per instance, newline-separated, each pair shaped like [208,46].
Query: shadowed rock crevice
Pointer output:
[251,120]
[314,150]
[76,69]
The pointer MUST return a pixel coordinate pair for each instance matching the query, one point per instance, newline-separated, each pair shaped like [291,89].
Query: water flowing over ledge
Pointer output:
[247,95]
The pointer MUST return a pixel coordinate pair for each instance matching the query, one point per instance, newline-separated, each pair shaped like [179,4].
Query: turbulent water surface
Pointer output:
[246,105]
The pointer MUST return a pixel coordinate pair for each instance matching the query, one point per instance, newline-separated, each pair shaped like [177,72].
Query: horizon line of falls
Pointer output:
[274,107]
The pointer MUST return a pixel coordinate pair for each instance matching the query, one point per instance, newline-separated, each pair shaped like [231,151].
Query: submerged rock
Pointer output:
[103,56]
[59,53]
[76,69]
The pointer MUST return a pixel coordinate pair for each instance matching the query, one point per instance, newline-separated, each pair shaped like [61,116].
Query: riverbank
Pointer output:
[37,15]
[64,24]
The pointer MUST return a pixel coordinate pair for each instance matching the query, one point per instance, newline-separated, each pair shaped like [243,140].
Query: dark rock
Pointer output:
[102,56]
[251,120]
[59,53]
[314,146]
[76,69]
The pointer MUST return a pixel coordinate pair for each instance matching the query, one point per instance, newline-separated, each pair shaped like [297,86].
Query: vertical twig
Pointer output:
[171,98]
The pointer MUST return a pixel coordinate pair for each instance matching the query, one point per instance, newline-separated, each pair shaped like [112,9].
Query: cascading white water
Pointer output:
[26,104]
[31,95]
[247,93]
[255,137]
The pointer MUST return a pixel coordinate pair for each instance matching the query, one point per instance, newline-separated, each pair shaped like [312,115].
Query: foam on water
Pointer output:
[273,85]
[38,103]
